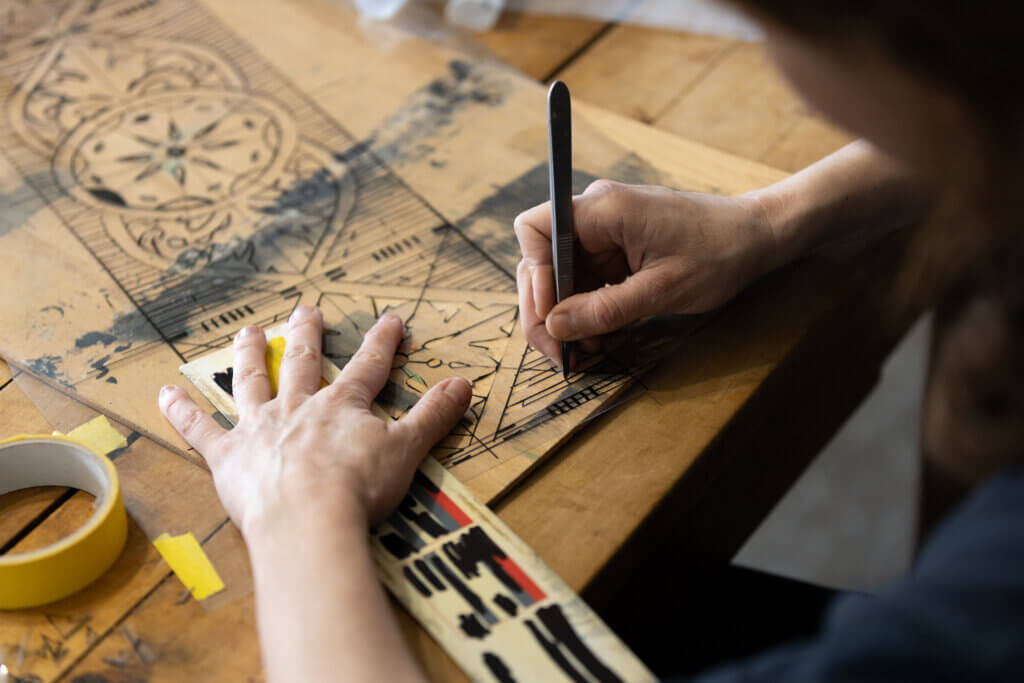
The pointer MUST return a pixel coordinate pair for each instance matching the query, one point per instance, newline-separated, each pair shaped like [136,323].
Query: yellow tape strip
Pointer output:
[188,561]
[97,434]
[275,354]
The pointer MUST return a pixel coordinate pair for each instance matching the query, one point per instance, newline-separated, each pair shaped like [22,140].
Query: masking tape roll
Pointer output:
[58,570]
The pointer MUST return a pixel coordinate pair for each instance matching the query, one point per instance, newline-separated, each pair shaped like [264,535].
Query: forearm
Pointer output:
[322,612]
[854,193]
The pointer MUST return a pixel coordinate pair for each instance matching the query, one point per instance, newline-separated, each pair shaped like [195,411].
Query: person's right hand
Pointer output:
[641,251]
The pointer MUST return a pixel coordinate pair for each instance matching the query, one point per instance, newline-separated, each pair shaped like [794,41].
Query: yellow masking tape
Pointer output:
[188,561]
[47,574]
[97,434]
[275,354]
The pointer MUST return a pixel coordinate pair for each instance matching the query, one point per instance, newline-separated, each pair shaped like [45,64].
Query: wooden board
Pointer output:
[183,187]
[515,620]
[161,493]
[722,92]
[562,514]
[537,45]
[640,72]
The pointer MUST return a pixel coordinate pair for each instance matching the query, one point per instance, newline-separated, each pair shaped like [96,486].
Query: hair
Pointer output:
[967,257]
[971,51]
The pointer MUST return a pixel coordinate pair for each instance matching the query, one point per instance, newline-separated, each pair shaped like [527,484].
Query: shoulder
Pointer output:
[958,615]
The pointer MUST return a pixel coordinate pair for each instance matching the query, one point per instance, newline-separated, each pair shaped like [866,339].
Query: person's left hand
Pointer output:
[311,448]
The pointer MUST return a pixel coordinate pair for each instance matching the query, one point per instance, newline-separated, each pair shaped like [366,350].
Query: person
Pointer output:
[931,91]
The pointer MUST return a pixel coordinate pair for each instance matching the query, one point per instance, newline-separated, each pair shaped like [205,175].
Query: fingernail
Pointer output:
[247,331]
[458,389]
[303,312]
[166,389]
[560,326]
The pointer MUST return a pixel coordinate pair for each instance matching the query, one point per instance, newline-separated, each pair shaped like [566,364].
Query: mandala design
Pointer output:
[84,75]
[185,166]
[217,195]
[177,153]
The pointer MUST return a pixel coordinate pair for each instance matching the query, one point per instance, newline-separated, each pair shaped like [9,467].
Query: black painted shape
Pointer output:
[554,619]
[224,380]
[430,576]
[416,583]
[92,338]
[395,397]
[506,603]
[424,520]
[551,647]
[474,547]
[107,196]
[48,366]
[355,151]
[507,202]
[396,545]
[472,627]
[498,669]
[320,186]
[462,589]
[100,366]
[424,481]
[129,440]
[403,529]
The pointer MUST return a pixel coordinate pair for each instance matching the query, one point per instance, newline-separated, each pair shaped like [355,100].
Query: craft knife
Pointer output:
[560,182]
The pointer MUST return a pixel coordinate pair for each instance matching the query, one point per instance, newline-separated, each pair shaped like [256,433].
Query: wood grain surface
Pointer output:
[653,461]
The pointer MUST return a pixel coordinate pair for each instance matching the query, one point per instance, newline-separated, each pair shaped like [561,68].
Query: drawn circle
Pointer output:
[269,230]
[176,154]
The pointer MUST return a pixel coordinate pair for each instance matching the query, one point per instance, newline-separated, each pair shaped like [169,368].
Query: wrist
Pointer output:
[312,517]
[764,214]
[778,219]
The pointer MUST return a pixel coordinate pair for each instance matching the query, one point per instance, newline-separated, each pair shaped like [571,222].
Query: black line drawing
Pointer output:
[217,195]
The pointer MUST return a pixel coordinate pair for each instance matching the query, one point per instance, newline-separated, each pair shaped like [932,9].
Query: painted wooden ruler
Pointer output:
[474,585]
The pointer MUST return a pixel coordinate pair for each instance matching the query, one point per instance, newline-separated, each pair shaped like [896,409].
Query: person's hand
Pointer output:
[311,447]
[657,250]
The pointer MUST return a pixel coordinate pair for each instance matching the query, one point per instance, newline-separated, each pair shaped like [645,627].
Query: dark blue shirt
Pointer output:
[958,615]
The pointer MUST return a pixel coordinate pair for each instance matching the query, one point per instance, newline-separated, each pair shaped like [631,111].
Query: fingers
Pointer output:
[533,230]
[194,425]
[300,367]
[250,384]
[365,374]
[542,279]
[609,308]
[435,414]
[533,325]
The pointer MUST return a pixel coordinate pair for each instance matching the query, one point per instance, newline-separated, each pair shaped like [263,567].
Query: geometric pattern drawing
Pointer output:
[494,606]
[216,194]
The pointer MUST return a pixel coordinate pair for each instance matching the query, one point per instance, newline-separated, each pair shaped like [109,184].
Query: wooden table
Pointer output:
[676,478]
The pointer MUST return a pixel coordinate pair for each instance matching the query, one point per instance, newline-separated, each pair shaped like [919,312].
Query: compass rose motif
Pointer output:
[182,152]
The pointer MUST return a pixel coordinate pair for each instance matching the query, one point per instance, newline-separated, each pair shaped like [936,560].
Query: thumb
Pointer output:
[606,309]
[435,414]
